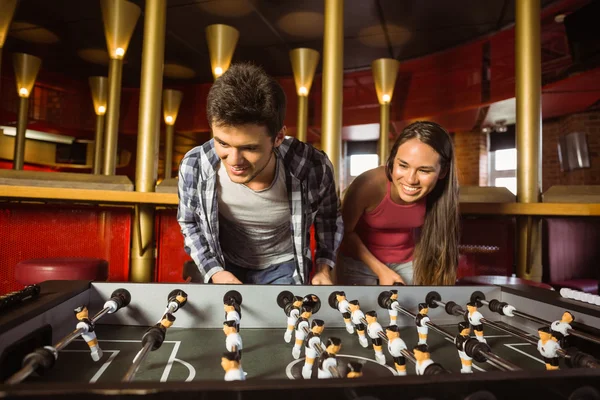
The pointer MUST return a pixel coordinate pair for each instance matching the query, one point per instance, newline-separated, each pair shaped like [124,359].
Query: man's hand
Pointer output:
[225,277]
[323,276]
[387,277]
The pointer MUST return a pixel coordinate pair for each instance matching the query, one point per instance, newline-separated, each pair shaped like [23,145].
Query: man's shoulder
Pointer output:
[302,157]
[201,161]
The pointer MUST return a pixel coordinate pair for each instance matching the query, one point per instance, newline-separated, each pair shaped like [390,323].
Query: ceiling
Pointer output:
[61,32]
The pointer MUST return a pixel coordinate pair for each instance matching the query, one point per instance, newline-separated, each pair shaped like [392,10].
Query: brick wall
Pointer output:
[471,150]
[588,123]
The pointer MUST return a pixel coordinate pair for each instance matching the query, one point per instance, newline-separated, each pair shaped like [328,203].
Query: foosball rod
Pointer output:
[492,358]
[119,298]
[154,337]
[497,306]
[452,308]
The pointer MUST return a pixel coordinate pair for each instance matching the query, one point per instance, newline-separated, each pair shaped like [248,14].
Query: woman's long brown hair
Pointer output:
[436,253]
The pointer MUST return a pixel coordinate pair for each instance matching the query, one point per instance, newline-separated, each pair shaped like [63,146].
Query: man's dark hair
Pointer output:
[245,94]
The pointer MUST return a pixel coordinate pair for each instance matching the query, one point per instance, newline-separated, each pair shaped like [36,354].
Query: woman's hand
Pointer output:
[387,277]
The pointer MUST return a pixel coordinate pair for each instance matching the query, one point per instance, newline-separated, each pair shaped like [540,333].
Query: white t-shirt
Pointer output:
[396,346]
[235,374]
[422,365]
[233,339]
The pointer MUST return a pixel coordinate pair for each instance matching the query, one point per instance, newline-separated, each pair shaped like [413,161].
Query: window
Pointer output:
[503,169]
[360,163]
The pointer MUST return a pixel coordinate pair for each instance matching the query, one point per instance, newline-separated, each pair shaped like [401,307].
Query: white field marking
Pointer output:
[473,364]
[125,341]
[104,366]
[510,346]
[288,369]
[191,369]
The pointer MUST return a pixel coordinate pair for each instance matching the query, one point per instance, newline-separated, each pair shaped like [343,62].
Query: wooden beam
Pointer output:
[50,194]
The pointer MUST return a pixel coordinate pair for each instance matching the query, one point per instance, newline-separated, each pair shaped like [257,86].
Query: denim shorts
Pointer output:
[355,272]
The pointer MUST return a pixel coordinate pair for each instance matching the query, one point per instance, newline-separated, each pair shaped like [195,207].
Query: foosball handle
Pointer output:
[452,308]
[435,369]
[20,296]
[497,306]
[118,299]
[154,334]
[43,358]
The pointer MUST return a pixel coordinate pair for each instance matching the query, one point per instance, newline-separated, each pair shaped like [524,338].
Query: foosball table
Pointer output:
[68,339]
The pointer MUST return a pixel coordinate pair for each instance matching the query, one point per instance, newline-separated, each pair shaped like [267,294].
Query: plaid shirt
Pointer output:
[311,194]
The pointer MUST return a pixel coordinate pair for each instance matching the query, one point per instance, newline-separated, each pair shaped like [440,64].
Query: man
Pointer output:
[248,197]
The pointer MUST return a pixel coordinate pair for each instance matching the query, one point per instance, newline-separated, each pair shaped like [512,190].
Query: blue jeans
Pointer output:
[358,273]
[276,274]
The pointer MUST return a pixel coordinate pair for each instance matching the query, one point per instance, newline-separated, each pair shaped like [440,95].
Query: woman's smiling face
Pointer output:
[416,171]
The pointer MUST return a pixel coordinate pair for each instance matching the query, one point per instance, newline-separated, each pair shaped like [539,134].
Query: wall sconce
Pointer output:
[171,102]
[385,71]
[26,70]
[99,88]
[120,18]
[304,64]
[221,40]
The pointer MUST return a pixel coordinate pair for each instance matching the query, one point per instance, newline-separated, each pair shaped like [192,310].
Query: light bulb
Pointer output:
[302,91]
[218,71]
[101,110]
[23,92]
[386,98]
[120,52]
[169,120]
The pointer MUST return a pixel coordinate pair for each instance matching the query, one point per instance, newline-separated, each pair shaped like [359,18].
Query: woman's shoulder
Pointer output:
[370,185]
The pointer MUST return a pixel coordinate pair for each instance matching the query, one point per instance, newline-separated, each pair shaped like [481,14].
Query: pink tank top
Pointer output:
[388,230]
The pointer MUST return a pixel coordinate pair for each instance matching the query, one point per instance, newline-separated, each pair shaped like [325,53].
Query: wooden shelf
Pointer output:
[49,194]
[540,209]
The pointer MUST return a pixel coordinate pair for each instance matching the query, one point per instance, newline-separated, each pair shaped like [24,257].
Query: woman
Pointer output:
[416,191]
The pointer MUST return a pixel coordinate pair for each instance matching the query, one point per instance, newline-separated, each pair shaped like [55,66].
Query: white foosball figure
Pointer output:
[301,329]
[548,347]
[314,347]
[232,312]
[563,326]
[373,330]
[395,347]
[421,321]
[357,319]
[233,340]
[342,306]
[422,358]
[88,334]
[464,330]
[392,306]
[474,317]
[230,362]
[354,370]
[292,317]
[328,367]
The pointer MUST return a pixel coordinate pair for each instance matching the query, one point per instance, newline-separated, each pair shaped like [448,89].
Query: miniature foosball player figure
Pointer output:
[548,347]
[88,334]
[233,340]
[233,311]
[422,358]
[354,370]
[230,361]
[301,330]
[328,367]
[314,347]
[474,317]
[464,330]
[395,347]
[342,306]
[373,330]
[293,313]
[392,306]
[421,321]
[357,319]
[563,326]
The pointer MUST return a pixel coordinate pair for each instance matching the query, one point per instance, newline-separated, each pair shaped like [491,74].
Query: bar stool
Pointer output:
[37,270]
